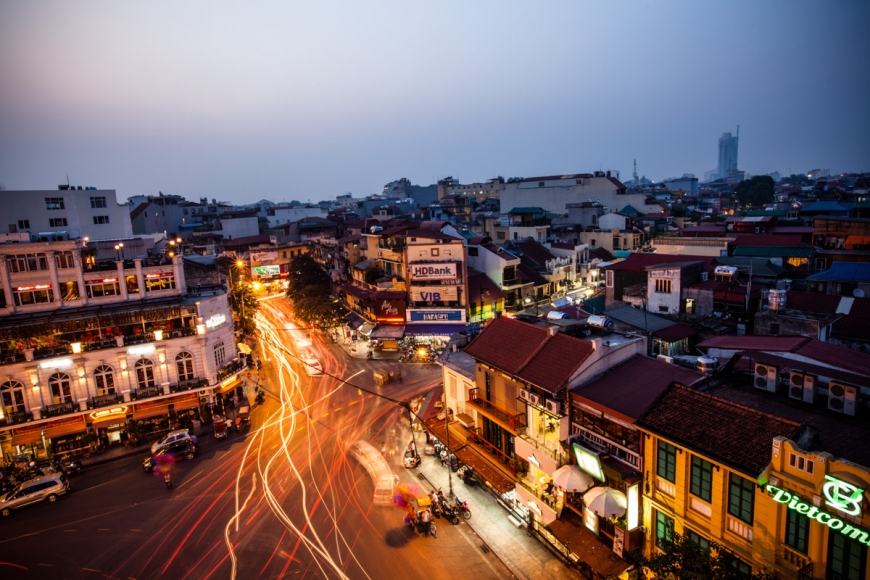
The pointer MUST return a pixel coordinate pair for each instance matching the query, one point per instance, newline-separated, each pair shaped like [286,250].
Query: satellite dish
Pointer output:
[858,293]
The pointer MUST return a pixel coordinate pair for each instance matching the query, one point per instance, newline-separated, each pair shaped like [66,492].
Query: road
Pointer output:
[283,499]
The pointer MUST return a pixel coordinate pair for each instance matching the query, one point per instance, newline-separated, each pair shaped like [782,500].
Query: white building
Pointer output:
[279,215]
[92,213]
[99,351]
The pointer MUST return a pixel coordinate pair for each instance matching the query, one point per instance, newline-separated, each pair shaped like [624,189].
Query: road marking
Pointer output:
[225,454]
[94,487]
[92,570]
[134,530]
[104,529]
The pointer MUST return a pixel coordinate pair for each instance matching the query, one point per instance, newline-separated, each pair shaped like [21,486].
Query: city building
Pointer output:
[491,189]
[728,154]
[67,213]
[103,350]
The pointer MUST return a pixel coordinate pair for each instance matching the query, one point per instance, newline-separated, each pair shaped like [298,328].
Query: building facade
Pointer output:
[79,213]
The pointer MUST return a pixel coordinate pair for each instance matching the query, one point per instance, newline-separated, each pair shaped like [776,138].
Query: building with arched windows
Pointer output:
[95,351]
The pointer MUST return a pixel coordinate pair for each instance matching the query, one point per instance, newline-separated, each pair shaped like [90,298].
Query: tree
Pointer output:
[681,558]
[756,191]
[310,289]
[245,306]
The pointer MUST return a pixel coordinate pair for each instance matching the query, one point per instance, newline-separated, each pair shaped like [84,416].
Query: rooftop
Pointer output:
[845,271]
[639,319]
[638,262]
[770,343]
[774,251]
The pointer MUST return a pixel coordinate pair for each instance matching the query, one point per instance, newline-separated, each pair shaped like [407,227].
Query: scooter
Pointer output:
[463,508]
[451,513]
[260,397]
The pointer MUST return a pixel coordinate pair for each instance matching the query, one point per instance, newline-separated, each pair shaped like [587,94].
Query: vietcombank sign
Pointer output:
[433,271]
[840,495]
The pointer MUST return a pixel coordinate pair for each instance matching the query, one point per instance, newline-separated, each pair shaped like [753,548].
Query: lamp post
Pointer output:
[118,247]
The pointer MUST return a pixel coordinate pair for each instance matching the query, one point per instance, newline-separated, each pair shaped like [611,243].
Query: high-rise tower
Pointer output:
[728,153]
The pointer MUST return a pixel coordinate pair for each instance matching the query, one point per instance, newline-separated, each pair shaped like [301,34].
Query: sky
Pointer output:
[306,100]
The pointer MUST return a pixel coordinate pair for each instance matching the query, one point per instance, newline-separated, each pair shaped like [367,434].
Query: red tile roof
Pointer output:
[570,530]
[771,343]
[530,352]
[812,301]
[139,209]
[535,251]
[247,241]
[723,431]
[619,390]
[839,356]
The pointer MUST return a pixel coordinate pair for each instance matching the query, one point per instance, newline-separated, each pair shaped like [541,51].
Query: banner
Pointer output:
[442,315]
[434,293]
[267,270]
[433,271]
[264,256]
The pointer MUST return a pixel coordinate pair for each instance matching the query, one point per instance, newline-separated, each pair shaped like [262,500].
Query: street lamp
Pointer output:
[118,247]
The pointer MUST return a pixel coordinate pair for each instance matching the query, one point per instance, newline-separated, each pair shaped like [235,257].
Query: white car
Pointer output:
[169,439]
[312,367]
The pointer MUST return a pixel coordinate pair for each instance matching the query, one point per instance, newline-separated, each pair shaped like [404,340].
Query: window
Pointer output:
[702,478]
[132,284]
[219,354]
[663,286]
[540,184]
[664,528]
[53,203]
[145,374]
[797,527]
[666,461]
[774,329]
[105,287]
[608,276]
[69,291]
[23,224]
[184,366]
[155,282]
[594,219]
[742,567]
[28,263]
[27,295]
[663,308]
[801,462]
[741,498]
[472,251]
[847,559]
[703,542]
[98,202]
[12,397]
[104,378]
[435,252]
[57,222]
[64,260]
[59,385]
[500,235]
[101,219]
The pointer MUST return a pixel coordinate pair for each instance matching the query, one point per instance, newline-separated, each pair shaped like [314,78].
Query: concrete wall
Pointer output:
[554,197]
[31,206]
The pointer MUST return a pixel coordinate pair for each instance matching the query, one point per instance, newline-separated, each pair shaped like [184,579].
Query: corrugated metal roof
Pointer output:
[845,271]
[636,317]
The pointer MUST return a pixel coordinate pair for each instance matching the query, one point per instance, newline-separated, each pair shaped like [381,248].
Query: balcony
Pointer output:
[514,464]
[230,369]
[16,418]
[105,400]
[511,421]
[189,385]
[509,282]
[540,445]
[59,409]
[146,393]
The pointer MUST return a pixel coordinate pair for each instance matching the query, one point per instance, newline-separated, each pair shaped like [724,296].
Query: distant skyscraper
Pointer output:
[728,153]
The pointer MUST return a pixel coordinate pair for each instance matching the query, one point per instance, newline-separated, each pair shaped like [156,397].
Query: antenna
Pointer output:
[738,131]
[635,173]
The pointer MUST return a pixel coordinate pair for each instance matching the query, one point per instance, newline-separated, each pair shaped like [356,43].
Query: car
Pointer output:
[44,488]
[173,452]
[169,438]
[312,367]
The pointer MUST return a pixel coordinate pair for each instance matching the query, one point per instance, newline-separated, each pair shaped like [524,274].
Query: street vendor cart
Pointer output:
[381,378]
[244,414]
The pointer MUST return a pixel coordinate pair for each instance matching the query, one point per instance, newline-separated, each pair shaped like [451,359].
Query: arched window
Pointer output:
[145,374]
[104,378]
[12,396]
[61,391]
[219,354]
[184,366]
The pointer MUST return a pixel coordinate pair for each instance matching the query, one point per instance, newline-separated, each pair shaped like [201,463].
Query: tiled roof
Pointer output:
[428,234]
[530,352]
[736,435]
[526,273]
[638,262]
[619,389]
[771,343]
[812,301]
[774,251]
[675,333]
[535,251]
[638,318]
[601,254]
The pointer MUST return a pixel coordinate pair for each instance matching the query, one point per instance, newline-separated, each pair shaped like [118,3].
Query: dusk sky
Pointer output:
[285,100]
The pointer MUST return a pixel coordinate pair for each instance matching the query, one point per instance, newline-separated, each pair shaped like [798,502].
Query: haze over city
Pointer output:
[305,101]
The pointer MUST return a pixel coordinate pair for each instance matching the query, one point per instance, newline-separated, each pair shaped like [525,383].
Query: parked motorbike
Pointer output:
[466,473]
[450,513]
[463,508]
[68,466]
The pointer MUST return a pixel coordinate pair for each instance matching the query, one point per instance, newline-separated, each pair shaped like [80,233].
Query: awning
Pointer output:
[354,320]
[244,348]
[52,430]
[433,329]
[585,546]
[230,385]
[393,331]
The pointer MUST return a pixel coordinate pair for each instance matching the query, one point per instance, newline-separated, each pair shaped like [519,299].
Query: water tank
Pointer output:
[556,315]
[777,299]
[599,321]
[706,364]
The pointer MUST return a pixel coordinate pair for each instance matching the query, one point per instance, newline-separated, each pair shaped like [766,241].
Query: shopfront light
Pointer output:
[76,347]
[158,335]
[200,328]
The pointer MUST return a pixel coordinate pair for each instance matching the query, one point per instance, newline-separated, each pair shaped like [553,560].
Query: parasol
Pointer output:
[606,501]
[570,478]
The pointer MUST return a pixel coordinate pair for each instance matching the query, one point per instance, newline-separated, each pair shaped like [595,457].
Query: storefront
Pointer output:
[68,435]
[110,424]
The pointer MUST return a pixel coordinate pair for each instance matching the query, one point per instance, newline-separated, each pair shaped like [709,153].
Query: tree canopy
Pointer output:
[756,191]
[310,290]
[240,297]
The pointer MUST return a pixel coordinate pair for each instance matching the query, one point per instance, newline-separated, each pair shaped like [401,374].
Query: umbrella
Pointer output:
[570,478]
[606,501]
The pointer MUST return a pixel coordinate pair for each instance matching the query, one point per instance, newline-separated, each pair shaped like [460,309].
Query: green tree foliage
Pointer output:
[371,274]
[755,192]
[245,305]
[310,290]
[681,558]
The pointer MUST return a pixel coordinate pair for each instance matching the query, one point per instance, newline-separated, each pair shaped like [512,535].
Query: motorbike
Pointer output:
[260,397]
[450,513]
[466,473]
[68,466]
[462,508]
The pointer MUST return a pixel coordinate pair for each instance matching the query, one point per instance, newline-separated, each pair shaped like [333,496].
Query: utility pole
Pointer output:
[449,462]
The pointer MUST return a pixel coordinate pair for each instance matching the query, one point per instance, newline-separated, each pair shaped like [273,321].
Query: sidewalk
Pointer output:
[360,349]
[522,554]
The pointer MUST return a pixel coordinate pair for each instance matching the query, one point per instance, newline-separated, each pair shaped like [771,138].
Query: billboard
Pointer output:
[442,315]
[433,271]
[588,462]
[390,310]
[264,256]
[434,293]
[267,270]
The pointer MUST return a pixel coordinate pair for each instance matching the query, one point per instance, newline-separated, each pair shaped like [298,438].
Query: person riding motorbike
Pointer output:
[168,479]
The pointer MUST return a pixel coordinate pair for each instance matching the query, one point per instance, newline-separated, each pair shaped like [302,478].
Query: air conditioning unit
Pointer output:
[842,398]
[554,407]
[524,395]
[766,377]
[203,399]
[534,399]
[802,387]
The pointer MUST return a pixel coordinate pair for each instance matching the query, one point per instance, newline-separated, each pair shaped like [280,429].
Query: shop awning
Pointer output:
[230,385]
[585,546]
[150,411]
[433,329]
[366,328]
[390,331]
[244,348]
[354,320]
[52,430]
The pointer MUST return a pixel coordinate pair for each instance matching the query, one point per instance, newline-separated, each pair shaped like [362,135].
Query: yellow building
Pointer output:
[738,470]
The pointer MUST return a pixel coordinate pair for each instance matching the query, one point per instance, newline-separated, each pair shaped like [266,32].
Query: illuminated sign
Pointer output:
[160,275]
[267,270]
[215,320]
[533,459]
[141,350]
[633,510]
[590,519]
[57,363]
[434,293]
[228,382]
[37,287]
[433,271]
[103,413]
[433,315]
[794,502]
[843,496]
[588,462]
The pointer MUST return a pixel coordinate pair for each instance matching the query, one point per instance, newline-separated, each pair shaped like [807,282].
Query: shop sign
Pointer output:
[633,511]
[264,256]
[590,518]
[58,363]
[215,320]
[843,496]
[103,413]
[390,310]
[588,462]
[227,382]
[267,270]
[433,271]
[796,503]
[440,315]
[434,293]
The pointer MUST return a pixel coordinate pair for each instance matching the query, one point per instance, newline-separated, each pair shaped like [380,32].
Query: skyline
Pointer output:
[308,102]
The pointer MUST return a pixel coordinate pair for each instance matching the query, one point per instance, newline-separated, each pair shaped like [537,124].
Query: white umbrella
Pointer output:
[606,501]
[570,478]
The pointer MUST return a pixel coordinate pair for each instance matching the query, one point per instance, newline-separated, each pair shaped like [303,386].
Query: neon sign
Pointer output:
[588,462]
[794,502]
[215,321]
[107,412]
[843,496]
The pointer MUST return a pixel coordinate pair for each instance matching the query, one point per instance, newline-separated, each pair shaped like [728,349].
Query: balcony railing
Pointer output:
[511,282]
[146,393]
[554,454]
[231,368]
[189,385]
[9,357]
[59,409]
[105,400]
[514,421]
[476,439]
[16,418]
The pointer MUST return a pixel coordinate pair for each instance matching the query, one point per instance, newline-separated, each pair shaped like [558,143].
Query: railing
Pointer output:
[232,368]
[189,385]
[8,358]
[511,282]
[555,455]
[806,573]
[146,393]
[476,439]
[795,559]
[59,409]
[41,353]
[539,493]
[138,338]
[17,417]
[514,421]
[105,400]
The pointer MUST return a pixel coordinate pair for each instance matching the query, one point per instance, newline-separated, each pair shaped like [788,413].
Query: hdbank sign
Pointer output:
[433,315]
[433,271]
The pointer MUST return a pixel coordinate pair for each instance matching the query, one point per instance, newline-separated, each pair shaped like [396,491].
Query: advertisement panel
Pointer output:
[440,315]
[264,256]
[267,270]
[434,293]
[433,271]
[390,310]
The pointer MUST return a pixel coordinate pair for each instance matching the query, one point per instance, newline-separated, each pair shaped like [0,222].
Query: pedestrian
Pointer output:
[426,518]
[401,380]
[229,423]
[168,479]
[193,440]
